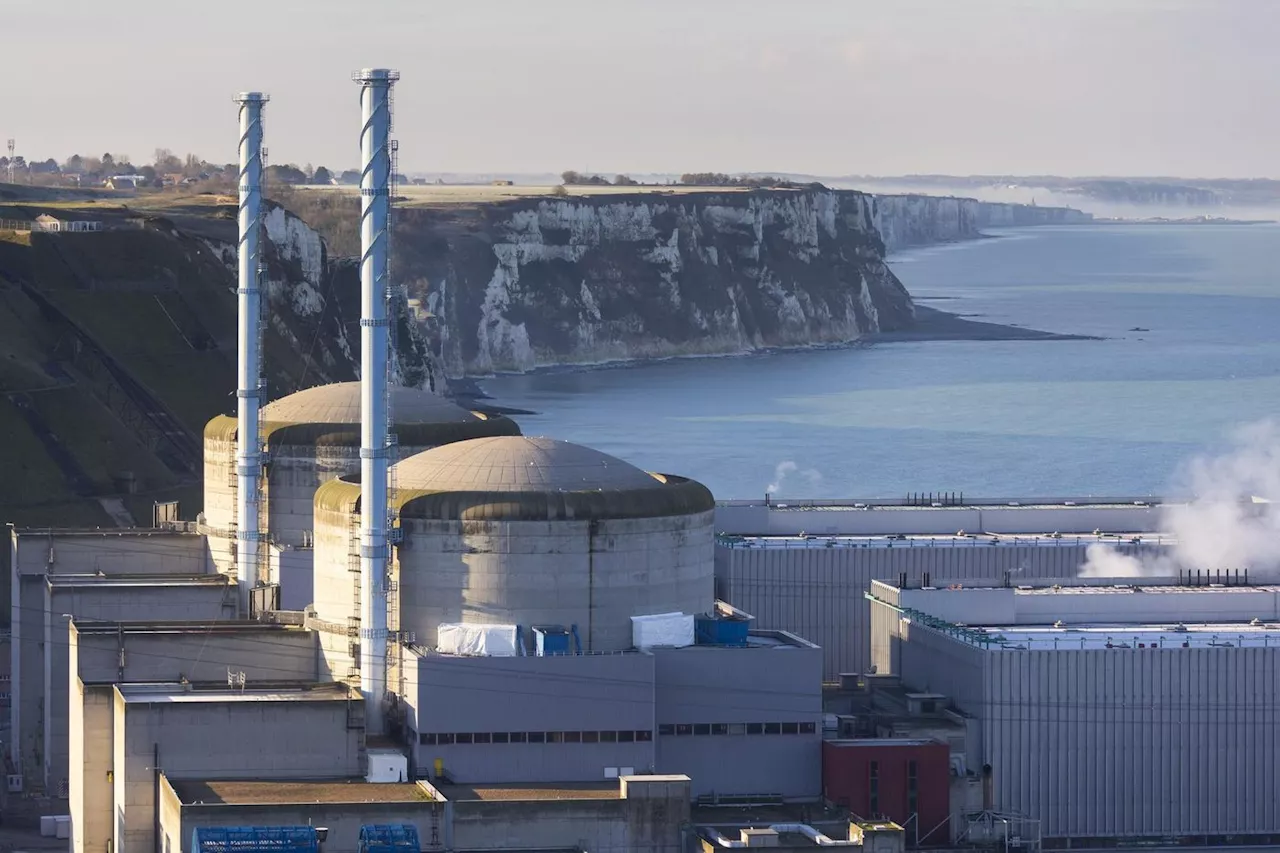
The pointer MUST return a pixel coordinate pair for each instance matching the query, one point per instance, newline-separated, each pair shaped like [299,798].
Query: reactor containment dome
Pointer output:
[528,532]
[314,436]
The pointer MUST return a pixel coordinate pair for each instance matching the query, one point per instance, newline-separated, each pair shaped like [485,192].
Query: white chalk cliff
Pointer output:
[535,282]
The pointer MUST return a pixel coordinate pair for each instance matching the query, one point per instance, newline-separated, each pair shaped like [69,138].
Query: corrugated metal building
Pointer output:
[737,720]
[1115,713]
[815,586]
[936,515]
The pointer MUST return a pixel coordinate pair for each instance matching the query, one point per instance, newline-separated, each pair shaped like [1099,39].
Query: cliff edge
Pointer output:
[905,221]
[531,282]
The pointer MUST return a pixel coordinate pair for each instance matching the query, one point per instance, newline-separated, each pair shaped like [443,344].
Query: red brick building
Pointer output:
[906,781]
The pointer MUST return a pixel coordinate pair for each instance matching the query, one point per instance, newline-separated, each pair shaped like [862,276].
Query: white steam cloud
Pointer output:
[1226,523]
[788,470]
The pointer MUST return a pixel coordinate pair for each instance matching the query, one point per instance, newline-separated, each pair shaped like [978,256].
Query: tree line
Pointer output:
[164,169]
[695,179]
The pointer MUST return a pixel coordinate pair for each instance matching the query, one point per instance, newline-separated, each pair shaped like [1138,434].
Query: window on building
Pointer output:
[481,737]
[644,736]
[427,739]
[501,737]
[590,737]
[666,729]
[555,737]
[808,728]
[701,729]
[626,737]
[737,728]
[873,789]
[755,728]
[719,728]
[684,729]
[790,728]
[913,804]
[444,739]
[537,737]
[773,728]
[462,737]
[608,737]
[519,737]
[573,737]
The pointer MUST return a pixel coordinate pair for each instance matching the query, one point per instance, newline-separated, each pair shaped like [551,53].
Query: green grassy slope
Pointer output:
[153,296]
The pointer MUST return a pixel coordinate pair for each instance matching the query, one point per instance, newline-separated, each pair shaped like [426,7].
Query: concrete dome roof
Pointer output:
[339,403]
[518,464]
[515,478]
[329,415]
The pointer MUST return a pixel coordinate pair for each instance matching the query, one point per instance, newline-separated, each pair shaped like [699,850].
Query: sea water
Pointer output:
[1190,321]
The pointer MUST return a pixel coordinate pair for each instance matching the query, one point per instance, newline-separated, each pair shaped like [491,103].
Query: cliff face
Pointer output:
[313,307]
[530,282]
[918,220]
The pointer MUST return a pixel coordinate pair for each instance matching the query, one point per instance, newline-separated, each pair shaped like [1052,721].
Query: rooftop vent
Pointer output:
[759,837]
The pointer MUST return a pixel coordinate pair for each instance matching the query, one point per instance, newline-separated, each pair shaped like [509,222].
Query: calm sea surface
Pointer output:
[995,419]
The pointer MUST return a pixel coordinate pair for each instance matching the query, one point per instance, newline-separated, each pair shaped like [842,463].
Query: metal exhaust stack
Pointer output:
[249,361]
[375,209]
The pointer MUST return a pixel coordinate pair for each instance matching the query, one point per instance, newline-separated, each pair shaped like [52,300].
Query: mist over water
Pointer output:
[1188,313]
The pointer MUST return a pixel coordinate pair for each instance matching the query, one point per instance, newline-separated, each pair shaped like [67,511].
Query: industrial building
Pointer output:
[1134,712]
[410,621]
[619,816]
[107,656]
[376,575]
[805,566]
[313,436]
[91,575]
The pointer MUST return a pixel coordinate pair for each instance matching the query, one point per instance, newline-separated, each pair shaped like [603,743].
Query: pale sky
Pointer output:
[828,87]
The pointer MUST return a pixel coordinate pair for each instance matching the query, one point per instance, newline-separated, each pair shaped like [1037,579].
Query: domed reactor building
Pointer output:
[311,437]
[385,587]
[546,603]
[526,532]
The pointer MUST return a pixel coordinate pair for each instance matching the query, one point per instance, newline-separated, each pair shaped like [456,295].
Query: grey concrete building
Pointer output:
[38,714]
[635,813]
[649,813]
[815,586]
[103,654]
[340,805]
[301,734]
[38,627]
[742,720]
[520,531]
[1113,714]
[313,436]
[535,702]
[737,721]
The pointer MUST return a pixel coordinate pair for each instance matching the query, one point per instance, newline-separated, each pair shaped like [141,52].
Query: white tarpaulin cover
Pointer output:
[663,629]
[497,641]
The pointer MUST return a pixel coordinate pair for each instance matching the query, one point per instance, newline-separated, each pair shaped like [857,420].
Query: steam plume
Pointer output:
[1226,522]
[787,469]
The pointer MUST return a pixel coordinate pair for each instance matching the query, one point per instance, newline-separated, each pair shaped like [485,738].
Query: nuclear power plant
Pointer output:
[402,625]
